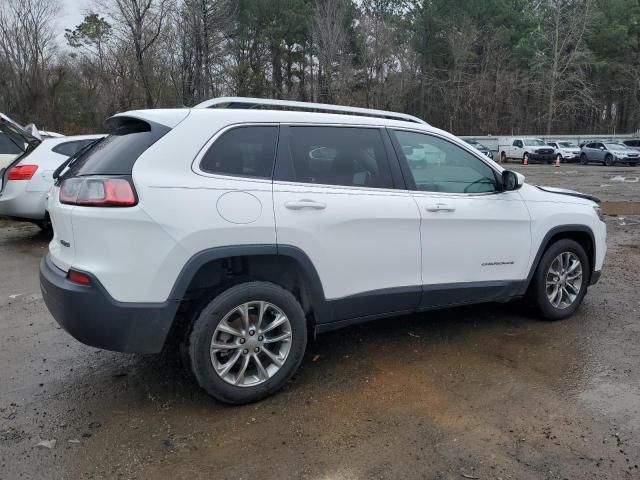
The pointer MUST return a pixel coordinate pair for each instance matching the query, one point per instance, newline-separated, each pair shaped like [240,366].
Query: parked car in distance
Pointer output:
[608,153]
[515,148]
[482,148]
[633,143]
[235,232]
[9,150]
[25,183]
[12,143]
[569,151]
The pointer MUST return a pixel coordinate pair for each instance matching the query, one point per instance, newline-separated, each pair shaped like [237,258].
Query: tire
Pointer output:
[225,311]
[45,224]
[609,161]
[503,157]
[583,159]
[540,294]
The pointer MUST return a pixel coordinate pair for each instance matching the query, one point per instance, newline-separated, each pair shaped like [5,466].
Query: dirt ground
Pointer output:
[485,392]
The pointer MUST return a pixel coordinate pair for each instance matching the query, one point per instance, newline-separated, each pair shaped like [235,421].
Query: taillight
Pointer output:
[98,192]
[22,172]
[79,278]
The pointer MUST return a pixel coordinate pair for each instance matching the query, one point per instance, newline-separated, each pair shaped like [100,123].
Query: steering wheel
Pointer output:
[480,180]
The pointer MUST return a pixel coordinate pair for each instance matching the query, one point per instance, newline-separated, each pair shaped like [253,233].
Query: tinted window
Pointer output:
[117,153]
[517,143]
[346,156]
[71,148]
[438,165]
[7,147]
[244,151]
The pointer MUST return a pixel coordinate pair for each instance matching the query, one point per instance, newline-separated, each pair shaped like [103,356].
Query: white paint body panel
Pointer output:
[364,240]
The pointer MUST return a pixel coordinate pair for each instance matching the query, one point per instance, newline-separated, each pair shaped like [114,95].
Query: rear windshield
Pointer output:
[7,147]
[116,154]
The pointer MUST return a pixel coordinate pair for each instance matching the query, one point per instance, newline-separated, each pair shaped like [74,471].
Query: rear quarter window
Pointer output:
[71,148]
[7,147]
[243,151]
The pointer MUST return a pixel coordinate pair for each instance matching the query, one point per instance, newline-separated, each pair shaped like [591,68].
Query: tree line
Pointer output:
[474,67]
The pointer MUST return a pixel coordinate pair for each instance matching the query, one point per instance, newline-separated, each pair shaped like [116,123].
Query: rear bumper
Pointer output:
[92,317]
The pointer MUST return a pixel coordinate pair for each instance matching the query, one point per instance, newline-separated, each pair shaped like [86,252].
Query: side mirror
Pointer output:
[511,181]
[602,148]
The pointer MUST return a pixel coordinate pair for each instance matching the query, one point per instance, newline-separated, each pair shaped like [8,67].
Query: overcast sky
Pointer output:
[71,15]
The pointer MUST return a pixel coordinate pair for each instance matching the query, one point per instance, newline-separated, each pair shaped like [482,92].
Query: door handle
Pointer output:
[440,207]
[302,204]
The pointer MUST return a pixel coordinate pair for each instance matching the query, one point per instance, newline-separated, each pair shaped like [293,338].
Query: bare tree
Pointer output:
[27,49]
[142,21]
[329,31]
[564,23]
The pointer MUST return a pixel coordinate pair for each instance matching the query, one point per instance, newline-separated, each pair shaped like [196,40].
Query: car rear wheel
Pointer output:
[609,161]
[247,342]
[583,159]
[561,279]
[503,157]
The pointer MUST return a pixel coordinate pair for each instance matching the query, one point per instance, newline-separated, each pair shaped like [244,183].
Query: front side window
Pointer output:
[438,165]
[517,143]
[243,151]
[344,156]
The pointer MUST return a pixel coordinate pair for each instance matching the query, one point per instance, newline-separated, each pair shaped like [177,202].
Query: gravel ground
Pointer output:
[484,392]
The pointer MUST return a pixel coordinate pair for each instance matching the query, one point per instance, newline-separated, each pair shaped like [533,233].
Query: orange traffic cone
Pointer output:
[558,161]
[526,159]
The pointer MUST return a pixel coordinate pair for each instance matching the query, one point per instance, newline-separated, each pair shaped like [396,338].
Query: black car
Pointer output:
[474,143]
[633,143]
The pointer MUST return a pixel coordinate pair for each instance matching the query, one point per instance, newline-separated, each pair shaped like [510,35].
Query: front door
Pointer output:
[336,200]
[475,240]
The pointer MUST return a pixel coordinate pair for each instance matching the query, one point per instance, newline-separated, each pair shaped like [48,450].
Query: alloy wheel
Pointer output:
[251,344]
[564,280]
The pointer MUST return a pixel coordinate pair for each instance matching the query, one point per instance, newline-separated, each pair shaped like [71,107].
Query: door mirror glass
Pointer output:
[511,181]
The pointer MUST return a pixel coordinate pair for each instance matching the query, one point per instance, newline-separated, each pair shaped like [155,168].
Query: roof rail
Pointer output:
[245,102]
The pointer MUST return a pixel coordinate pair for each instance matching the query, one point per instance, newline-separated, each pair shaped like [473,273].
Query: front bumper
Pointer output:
[92,317]
[630,160]
[542,157]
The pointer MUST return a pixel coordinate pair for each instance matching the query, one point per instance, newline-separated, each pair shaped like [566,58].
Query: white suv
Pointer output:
[241,231]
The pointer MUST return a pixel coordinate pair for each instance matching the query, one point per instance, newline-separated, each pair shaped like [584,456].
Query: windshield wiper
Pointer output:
[72,159]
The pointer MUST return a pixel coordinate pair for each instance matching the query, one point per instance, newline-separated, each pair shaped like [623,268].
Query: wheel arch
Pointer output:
[215,269]
[582,234]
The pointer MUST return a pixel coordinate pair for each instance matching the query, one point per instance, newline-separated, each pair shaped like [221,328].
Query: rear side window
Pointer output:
[7,147]
[345,156]
[116,154]
[71,148]
[243,151]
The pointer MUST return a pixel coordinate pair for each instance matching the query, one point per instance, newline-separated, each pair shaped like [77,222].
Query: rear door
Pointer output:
[339,199]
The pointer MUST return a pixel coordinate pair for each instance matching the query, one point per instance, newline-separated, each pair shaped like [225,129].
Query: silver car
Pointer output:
[608,153]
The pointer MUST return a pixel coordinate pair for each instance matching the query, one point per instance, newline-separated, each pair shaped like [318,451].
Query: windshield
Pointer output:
[616,146]
[567,145]
[534,142]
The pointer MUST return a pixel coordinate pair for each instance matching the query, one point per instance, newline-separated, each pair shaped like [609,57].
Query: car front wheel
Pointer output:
[247,342]
[609,161]
[561,279]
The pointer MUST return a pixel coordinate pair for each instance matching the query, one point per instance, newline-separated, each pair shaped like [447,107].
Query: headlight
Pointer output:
[599,212]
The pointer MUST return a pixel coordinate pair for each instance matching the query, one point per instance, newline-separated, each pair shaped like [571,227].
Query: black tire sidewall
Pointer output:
[207,321]
[583,159]
[608,160]
[547,310]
